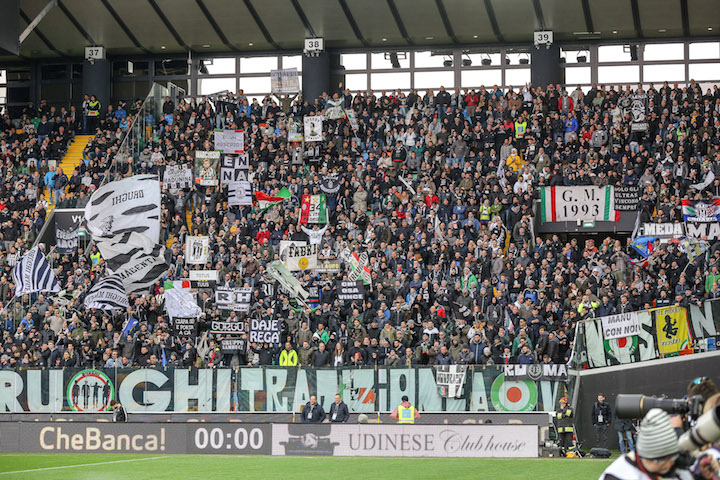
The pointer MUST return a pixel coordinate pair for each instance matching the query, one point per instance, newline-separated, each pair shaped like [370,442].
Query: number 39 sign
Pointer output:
[563,204]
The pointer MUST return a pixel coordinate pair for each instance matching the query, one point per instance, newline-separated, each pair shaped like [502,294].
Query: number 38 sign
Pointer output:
[567,204]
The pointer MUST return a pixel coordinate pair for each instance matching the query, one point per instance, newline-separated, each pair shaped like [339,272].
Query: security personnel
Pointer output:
[288,357]
[405,412]
[93,114]
[564,424]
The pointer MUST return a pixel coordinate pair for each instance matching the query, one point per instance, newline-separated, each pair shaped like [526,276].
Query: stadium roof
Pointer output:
[138,27]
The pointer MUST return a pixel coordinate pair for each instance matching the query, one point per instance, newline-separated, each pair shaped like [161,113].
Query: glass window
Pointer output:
[705,71]
[206,86]
[219,66]
[571,56]
[517,77]
[378,60]
[661,73]
[140,69]
[425,80]
[577,75]
[478,78]
[704,50]
[171,67]
[294,61]
[477,59]
[664,51]
[258,65]
[426,60]
[613,53]
[54,92]
[356,81]
[619,74]
[354,61]
[76,71]
[53,72]
[390,81]
[255,85]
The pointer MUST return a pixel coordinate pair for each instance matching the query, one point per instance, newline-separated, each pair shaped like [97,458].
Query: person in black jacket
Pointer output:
[601,417]
[313,412]
[119,412]
[339,412]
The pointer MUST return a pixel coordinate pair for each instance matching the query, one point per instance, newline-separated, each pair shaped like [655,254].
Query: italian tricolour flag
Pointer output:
[265,201]
[562,204]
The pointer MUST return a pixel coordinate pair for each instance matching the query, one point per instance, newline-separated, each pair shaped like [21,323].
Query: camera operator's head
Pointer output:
[703,386]
[657,445]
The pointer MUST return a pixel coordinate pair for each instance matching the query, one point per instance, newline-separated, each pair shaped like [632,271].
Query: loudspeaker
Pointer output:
[600,453]
[394,60]
[633,52]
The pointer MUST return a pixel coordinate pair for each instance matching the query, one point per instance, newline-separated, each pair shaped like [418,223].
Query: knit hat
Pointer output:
[657,438]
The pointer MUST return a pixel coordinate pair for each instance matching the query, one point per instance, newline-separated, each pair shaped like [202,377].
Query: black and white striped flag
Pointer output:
[128,205]
[108,294]
[137,260]
[33,274]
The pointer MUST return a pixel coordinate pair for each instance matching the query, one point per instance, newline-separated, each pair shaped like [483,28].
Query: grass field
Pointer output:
[186,467]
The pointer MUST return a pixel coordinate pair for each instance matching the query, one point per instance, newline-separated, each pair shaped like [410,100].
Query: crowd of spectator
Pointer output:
[437,187]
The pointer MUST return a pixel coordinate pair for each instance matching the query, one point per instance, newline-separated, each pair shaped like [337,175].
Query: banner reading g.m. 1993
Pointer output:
[267,389]
[563,204]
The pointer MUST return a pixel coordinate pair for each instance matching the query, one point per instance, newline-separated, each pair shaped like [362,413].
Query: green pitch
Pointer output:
[186,467]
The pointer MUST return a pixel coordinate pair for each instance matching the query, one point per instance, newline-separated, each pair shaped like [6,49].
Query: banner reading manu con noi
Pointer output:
[271,389]
[661,332]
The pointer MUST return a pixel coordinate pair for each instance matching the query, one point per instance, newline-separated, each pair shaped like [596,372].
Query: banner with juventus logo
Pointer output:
[197,250]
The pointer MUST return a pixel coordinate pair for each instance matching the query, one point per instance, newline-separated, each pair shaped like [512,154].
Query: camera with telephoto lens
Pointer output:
[701,429]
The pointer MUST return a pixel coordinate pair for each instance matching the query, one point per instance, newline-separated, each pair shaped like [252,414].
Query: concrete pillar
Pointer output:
[545,66]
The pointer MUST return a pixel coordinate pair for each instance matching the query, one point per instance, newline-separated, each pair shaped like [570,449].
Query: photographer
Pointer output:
[655,454]
[601,416]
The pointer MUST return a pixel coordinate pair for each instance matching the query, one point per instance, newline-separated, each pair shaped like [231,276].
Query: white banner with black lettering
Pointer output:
[301,257]
[175,178]
[229,141]
[239,193]
[313,128]
[562,204]
[285,81]
[234,168]
[450,380]
[128,205]
[197,250]
[265,331]
[237,299]
[621,325]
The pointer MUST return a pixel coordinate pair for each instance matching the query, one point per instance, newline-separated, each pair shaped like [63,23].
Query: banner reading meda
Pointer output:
[673,334]
[363,440]
[622,325]
[569,204]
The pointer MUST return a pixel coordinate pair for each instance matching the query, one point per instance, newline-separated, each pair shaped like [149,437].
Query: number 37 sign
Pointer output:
[567,204]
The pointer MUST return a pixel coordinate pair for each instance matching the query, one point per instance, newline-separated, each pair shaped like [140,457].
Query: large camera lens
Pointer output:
[636,406]
[705,431]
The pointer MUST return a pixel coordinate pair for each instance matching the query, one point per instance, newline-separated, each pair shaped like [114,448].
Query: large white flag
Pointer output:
[128,205]
[137,260]
[33,274]
[179,302]
[108,294]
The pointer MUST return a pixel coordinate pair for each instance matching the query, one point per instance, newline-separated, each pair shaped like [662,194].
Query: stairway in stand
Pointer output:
[72,158]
